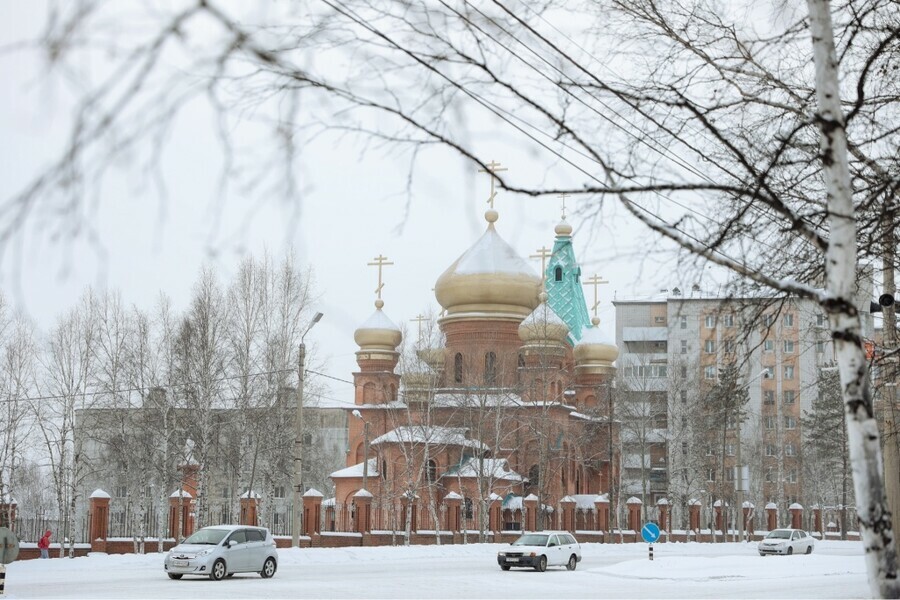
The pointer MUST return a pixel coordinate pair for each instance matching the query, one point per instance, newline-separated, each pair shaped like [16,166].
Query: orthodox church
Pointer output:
[514,403]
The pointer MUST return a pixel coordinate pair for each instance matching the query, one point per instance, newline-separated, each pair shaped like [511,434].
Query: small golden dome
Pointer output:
[563,228]
[489,279]
[378,332]
[595,349]
[543,325]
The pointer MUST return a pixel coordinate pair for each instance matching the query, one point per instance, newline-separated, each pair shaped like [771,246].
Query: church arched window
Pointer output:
[490,368]
[557,274]
[457,368]
[384,468]
[467,508]
[521,365]
[534,477]
[369,393]
[431,472]
[393,392]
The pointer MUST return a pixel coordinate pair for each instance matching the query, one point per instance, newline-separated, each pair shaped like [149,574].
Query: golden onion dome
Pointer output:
[378,332]
[595,349]
[489,279]
[563,228]
[543,325]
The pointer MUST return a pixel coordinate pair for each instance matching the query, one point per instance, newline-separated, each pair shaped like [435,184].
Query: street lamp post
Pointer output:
[298,438]
[359,416]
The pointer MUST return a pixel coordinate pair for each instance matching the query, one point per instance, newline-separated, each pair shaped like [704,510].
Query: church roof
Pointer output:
[439,436]
[357,470]
[496,468]
[566,296]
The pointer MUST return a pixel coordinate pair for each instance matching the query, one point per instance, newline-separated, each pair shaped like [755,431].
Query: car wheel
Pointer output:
[542,564]
[504,567]
[809,549]
[763,554]
[174,575]
[573,562]
[218,571]
[268,568]
[790,550]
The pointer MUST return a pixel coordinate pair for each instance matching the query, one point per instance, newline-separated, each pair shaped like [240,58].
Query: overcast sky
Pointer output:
[354,207]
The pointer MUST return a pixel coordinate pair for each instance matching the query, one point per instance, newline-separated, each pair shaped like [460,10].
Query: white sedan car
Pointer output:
[786,541]
[222,551]
[540,550]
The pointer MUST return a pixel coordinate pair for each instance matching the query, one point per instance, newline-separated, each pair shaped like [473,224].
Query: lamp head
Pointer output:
[356,414]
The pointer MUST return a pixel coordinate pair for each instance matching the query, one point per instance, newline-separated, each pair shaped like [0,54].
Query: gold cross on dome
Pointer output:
[380,262]
[492,167]
[563,197]
[420,318]
[596,281]
[543,253]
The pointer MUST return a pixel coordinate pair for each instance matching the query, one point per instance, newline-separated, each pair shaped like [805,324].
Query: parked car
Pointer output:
[222,551]
[541,550]
[786,541]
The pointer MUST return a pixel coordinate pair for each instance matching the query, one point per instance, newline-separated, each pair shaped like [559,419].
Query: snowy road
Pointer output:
[836,570]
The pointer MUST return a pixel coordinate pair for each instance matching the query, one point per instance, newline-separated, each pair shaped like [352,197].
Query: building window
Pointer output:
[820,320]
[709,372]
[279,491]
[769,476]
[788,320]
[728,320]
[768,320]
[820,347]
[709,450]
[121,491]
[770,373]
[710,474]
[684,346]
[709,346]
[770,422]
[684,448]
[729,346]
[684,371]
[307,439]
[790,422]
[790,450]
[457,368]
[791,476]
[769,397]
[771,450]
[769,346]
[431,472]
[710,321]
[659,320]
[557,273]
[729,449]
[226,493]
[789,396]
[684,396]
[788,371]
[788,346]
[683,321]
[490,368]
[729,474]
[683,422]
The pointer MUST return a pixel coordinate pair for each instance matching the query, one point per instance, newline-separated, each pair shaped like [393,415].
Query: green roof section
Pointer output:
[564,289]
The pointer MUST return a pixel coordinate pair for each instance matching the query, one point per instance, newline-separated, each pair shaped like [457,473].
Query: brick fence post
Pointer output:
[746,511]
[530,502]
[312,512]
[567,505]
[694,515]
[634,513]
[662,506]
[453,501]
[495,514]
[249,508]
[771,516]
[98,517]
[363,501]
[601,506]
[796,515]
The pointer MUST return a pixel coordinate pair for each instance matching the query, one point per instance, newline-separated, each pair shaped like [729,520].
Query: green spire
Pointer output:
[566,296]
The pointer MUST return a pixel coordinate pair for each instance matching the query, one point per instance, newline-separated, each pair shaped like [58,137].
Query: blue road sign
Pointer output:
[650,532]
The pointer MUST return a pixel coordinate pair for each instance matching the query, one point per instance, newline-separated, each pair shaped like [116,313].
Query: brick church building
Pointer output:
[511,411]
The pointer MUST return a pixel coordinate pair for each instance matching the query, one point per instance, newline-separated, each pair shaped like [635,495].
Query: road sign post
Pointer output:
[650,532]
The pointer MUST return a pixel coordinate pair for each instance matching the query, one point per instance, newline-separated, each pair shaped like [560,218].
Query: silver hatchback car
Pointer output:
[222,551]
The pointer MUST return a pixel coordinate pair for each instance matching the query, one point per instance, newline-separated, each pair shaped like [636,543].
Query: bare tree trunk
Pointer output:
[840,269]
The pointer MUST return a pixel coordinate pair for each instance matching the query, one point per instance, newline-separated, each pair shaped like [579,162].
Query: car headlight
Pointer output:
[204,552]
[501,554]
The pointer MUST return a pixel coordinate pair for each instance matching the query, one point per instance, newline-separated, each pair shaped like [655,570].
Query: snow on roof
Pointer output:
[357,470]
[584,501]
[795,506]
[719,503]
[748,504]
[98,493]
[771,505]
[313,493]
[452,496]
[543,314]
[249,494]
[634,500]
[328,502]
[602,498]
[567,499]
[497,468]
[181,494]
[444,436]
[476,399]
[512,503]
[694,502]
[531,498]
[491,254]
[662,502]
[493,497]
[379,320]
[363,494]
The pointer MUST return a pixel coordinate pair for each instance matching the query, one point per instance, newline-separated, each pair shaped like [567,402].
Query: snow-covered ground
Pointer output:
[835,570]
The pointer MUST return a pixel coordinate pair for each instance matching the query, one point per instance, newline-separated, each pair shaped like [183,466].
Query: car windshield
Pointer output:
[779,534]
[532,539]
[207,536]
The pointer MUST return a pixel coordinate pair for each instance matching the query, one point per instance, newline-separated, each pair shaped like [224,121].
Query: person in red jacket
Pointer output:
[44,545]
